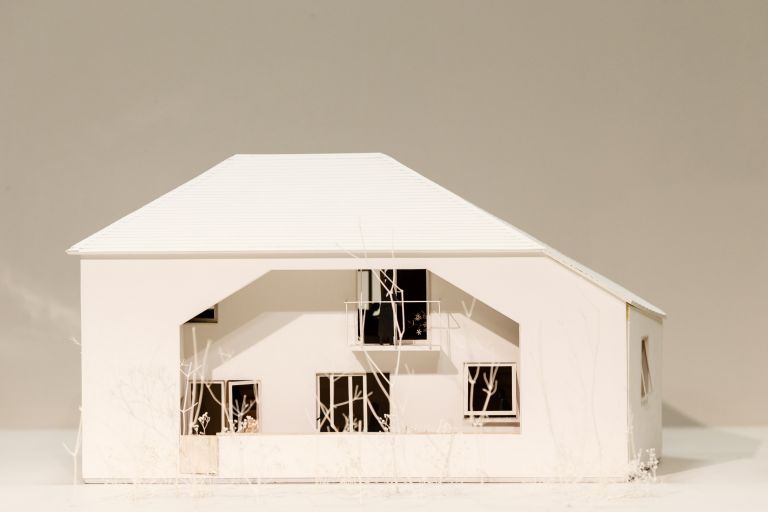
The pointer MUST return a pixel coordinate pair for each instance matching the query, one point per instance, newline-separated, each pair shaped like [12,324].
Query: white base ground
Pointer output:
[709,469]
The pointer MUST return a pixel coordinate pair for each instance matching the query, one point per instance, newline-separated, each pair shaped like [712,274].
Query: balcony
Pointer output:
[399,325]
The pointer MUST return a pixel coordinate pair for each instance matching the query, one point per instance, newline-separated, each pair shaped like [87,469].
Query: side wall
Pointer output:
[644,414]
[573,362]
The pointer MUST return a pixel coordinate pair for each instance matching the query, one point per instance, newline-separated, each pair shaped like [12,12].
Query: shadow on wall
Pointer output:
[674,417]
[432,362]
[460,306]
[280,297]
[275,299]
[469,320]
[36,348]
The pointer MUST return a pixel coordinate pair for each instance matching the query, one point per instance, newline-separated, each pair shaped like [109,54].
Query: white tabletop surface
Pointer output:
[724,469]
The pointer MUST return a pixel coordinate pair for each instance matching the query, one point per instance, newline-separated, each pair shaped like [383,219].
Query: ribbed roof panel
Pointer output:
[308,203]
[357,203]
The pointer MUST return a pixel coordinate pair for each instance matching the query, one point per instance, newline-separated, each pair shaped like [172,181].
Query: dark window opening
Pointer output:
[353,402]
[209,316]
[491,390]
[392,305]
[358,401]
[202,408]
[378,402]
[244,406]
[324,403]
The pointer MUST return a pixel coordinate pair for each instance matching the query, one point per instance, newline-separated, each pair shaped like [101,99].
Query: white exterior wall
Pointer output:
[644,415]
[572,375]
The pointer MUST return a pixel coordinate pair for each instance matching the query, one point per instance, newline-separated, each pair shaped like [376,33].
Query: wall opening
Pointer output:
[646,386]
[280,360]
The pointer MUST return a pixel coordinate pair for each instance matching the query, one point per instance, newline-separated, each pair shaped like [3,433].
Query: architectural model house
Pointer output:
[339,317]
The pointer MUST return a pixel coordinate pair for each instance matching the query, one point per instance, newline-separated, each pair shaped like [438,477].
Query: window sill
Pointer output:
[370,347]
[498,421]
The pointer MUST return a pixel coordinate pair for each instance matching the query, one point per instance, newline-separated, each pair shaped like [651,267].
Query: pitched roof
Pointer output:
[317,203]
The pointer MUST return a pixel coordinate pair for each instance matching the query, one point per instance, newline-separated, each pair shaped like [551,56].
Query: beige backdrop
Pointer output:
[629,135]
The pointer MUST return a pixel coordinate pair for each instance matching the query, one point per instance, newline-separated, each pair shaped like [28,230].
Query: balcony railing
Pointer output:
[389,325]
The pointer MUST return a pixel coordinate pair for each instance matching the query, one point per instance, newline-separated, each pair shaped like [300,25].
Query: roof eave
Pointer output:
[76,251]
[656,313]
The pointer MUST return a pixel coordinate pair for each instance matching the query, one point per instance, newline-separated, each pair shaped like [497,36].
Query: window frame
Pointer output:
[512,415]
[350,391]
[365,295]
[230,410]
[197,320]
[205,384]
[646,382]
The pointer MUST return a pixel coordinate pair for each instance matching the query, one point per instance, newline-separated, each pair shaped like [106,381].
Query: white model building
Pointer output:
[339,317]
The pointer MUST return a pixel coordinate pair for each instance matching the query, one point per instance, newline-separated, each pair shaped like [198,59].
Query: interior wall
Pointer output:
[289,325]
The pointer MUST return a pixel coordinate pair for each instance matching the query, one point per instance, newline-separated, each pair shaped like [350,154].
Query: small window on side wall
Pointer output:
[646,386]
[209,316]
[491,392]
